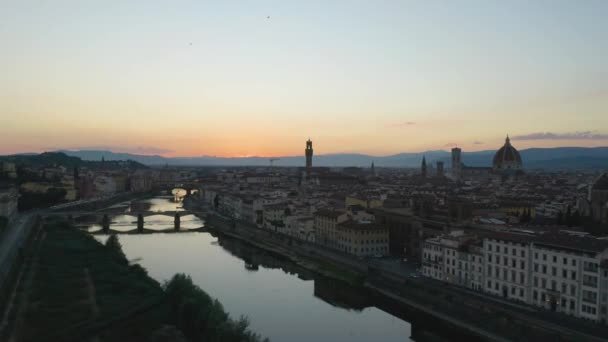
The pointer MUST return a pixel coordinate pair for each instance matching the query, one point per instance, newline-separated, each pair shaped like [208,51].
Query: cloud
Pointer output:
[450,145]
[129,149]
[404,124]
[476,142]
[584,135]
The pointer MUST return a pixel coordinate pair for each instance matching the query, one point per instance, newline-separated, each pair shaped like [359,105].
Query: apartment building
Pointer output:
[556,271]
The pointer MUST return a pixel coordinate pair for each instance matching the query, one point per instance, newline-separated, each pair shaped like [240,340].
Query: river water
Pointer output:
[282,301]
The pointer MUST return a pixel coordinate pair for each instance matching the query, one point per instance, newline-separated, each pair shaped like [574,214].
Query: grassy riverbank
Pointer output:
[77,289]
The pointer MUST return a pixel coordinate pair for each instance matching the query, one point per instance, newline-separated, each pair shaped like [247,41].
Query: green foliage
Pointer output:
[30,200]
[113,244]
[60,289]
[200,317]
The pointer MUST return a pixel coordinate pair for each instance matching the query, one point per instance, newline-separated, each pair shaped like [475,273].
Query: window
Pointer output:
[523,253]
[573,262]
[489,284]
[564,288]
[571,304]
[543,282]
[535,267]
[521,265]
[544,257]
[564,274]
[505,250]
[544,269]
[535,255]
[554,258]
[553,285]
[535,295]
[553,271]
[514,252]
[572,290]
[513,263]
[513,291]
[573,275]
[565,261]
[521,292]
[535,281]
[489,257]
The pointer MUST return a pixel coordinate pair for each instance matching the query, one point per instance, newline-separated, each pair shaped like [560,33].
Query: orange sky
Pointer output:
[219,79]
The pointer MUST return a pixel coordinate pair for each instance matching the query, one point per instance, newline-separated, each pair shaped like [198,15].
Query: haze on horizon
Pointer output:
[238,78]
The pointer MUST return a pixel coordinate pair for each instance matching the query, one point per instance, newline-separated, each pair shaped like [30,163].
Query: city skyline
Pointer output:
[248,79]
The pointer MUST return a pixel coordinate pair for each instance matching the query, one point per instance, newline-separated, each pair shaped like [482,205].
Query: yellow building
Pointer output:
[367,203]
[325,223]
[363,238]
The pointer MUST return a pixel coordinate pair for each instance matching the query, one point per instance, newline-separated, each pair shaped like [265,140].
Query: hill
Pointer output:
[559,157]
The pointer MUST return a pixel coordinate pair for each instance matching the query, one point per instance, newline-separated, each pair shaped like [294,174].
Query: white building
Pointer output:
[456,258]
[556,271]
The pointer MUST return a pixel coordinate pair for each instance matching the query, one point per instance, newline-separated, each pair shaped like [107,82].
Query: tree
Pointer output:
[113,244]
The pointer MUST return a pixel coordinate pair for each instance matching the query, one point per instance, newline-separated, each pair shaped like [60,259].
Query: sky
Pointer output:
[256,77]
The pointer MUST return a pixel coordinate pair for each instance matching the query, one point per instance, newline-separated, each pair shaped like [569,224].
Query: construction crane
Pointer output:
[272,160]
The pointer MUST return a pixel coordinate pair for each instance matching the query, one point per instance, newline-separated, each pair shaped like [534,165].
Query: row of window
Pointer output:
[505,250]
[505,261]
[554,271]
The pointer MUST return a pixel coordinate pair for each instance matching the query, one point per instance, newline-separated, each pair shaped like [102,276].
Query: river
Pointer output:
[282,301]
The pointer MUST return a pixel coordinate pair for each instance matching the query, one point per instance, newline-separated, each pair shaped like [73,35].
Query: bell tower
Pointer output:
[308,153]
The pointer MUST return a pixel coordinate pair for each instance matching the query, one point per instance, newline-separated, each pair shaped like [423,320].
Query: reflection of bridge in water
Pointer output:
[104,219]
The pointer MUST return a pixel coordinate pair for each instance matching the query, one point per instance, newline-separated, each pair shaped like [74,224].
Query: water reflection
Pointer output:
[123,217]
[282,300]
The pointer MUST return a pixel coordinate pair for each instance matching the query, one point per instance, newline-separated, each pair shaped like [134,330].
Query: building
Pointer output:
[362,238]
[367,202]
[456,163]
[308,153]
[423,170]
[440,172]
[507,158]
[559,272]
[456,258]
[507,270]
[9,197]
[599,199]
[326,220]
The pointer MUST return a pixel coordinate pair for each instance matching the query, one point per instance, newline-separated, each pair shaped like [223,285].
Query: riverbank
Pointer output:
[445,304]
[74,289]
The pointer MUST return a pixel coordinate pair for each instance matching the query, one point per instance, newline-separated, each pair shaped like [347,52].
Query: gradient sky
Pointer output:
[377,77]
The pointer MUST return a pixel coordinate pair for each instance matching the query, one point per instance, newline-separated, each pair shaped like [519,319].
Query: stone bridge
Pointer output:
[104,218]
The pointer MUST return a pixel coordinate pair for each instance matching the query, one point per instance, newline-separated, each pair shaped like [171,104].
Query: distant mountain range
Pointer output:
[550,158]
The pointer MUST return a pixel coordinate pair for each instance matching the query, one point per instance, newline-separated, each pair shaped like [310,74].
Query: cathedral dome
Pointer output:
[507,158]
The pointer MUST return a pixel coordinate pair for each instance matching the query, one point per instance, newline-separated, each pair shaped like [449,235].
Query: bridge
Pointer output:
[104,219]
